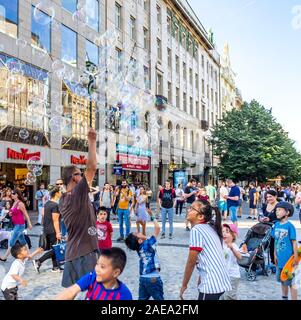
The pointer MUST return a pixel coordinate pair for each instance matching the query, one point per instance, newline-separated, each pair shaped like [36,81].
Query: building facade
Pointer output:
[47,46]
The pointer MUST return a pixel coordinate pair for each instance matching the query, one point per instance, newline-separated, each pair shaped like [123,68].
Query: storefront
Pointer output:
[136,164]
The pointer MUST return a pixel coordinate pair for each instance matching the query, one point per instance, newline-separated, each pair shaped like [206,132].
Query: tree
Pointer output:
[252,145]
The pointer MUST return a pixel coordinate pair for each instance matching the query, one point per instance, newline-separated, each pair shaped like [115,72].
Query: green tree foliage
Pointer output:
[252,145]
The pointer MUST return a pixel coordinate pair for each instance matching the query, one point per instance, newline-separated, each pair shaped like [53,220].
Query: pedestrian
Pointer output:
[13,278]
[51,230]
[104,230]
[123,197]
[6,197]
[40,194]
[103,282]
[232,255]
[233,200]
[19,214]
[179,199]
[202,195]
[190,193]
[150,283]
[141,210]
[167,203]
[222,203]
[269,215]
[149,194]
[240,202]
[284,233]
[60,183]
[298,203]
[106,200]
[79,217]
[158,209]
[211,192]
[206,253]
[253,200]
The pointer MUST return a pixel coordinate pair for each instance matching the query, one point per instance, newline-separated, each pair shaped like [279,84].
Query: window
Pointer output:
[169,24]
[184,71]
[197,82]
[9,17]
[159,16]
[159,49]
[146,78]
[178,135]
[190,77]
[91,54]
[176,32]
[118,15]
[203,112]
[169,92]
[133,28]
[133,62]
[146,5]
[92,14]
[40,33]
[169,58]
[207,67]
[185,138]
[211,95]
[177,64]
[70,5]
[203,87]
[212,119]
[147,121]
[159,84]
[216,98]
[203,62]
[191,106]
[191,141]
[184,102]
[69,46]
[207,91]
[146,38]
[119,59]
[197,110]
[178,98]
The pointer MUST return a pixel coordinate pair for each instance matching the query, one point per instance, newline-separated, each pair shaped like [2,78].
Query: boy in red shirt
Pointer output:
[104,230]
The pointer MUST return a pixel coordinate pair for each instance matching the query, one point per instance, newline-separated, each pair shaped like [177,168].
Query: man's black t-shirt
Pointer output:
[167,197]
[188,190]
[49,208]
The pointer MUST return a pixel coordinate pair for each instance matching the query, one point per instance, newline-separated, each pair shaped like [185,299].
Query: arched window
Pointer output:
[185,138]
[191,141]
[147,121]
[178,135]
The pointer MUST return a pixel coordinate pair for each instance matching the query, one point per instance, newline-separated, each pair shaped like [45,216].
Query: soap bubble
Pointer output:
[40,10]
[21,43]
[15,65]
[34,163]
[31,177]
[15,84]
[23,134]
[57,123]
[38,172]
[92,231]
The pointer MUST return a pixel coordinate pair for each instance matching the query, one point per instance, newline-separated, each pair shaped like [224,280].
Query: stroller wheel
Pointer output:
[251,275]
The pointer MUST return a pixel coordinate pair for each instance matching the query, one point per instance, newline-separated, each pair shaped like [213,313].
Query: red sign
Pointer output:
[81,160]
[23,155]
[133,162]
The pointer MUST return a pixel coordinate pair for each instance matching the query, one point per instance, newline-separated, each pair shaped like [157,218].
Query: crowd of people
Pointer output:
[72,210]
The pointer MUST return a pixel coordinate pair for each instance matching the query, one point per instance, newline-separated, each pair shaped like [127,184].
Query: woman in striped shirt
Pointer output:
[206,252]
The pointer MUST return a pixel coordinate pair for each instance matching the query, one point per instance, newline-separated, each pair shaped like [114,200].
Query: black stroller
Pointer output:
[257,240]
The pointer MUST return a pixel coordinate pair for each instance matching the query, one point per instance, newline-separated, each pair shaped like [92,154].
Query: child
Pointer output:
[150,283]
[103,283]
[232,254]
[10,282]
[284,233]
[104,230]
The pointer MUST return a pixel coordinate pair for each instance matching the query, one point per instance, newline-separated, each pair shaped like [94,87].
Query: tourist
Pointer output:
[40,194]
[233,200]
[253,199]
[104,230]
[106,198]
[141,210]
[179,199]
[222,204]
[190,193]
[211,192]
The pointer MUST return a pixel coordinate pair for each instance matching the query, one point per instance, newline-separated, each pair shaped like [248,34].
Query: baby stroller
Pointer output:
[257,241]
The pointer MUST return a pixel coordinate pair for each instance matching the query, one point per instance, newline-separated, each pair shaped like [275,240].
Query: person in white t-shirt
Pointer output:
[13,278]
[232,254]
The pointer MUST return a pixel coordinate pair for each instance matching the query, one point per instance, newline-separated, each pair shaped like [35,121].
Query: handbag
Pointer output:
[59,251]
[43,241]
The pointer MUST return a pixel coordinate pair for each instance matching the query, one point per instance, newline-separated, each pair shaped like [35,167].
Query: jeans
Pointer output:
[151,287]
[108,210]
[164,213]
[63,228]
[233,213]
[18,235]
[51,240]
[124,214]
[179,205]
[40,209]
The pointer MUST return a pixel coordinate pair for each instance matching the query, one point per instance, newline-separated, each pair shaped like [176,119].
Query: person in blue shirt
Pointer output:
[233,200]
[150,283]
[284,233]
[102,283]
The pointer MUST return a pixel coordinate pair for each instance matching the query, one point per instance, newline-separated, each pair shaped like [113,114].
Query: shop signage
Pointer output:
[81,160]
[180,176]
[123,148]
[23,155]
[117,170]
[133,162]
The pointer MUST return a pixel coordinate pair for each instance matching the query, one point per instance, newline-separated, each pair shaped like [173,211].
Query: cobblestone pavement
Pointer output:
[172,255]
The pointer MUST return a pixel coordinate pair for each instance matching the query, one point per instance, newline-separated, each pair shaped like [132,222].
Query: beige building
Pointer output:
[45,49]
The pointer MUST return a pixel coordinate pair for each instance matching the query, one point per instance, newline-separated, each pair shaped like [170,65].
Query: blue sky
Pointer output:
[265,50]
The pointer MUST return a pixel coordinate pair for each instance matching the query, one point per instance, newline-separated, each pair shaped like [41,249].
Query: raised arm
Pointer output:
[92,159]
[69,293]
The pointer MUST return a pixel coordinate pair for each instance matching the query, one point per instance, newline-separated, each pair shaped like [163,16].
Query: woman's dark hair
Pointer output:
[5,192]
[132,243]
[67,174]
[53,191]
[19,194]
[206,209]
[272,193]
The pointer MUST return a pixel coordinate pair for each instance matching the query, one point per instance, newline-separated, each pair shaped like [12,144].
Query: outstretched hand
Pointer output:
[92,135]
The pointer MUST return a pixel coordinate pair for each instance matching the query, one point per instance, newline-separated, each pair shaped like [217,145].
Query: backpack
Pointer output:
[173,192]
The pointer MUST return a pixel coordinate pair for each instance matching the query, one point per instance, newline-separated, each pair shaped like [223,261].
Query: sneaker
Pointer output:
[187,229]
[37,224]
[120,239]
[163,236]
[254,218]
[36,265]
[170,236]
[249,217]
[55,270]
[239,217]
